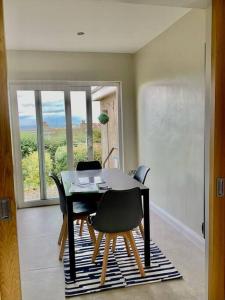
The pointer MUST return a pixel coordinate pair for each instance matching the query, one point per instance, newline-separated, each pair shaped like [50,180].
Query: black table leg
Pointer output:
[146,228]
[71,240]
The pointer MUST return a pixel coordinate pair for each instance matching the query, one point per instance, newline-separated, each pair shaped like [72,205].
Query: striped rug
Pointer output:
[122,270]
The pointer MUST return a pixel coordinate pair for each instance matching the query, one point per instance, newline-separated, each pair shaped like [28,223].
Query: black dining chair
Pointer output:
[140,175]
[88,165]
[118,213]
[85,166]
[81,211]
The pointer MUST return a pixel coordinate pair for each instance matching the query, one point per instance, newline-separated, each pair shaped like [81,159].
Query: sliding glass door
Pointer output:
[81,125]
[28,135]
[53,140]
[54,128]
[43,141]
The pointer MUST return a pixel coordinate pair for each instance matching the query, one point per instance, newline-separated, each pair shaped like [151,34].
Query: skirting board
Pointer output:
[179,226]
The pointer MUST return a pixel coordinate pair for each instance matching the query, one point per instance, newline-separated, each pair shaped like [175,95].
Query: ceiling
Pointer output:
[109,25]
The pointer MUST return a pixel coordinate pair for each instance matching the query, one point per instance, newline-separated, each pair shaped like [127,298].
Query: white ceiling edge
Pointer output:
[174,3]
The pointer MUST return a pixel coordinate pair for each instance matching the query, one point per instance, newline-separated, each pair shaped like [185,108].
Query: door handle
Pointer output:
[4,209]
[220,187]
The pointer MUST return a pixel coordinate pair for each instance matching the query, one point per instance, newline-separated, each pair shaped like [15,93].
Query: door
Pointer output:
[81,122]
[216,275]
[52,139]
[9,257]
[54,127]
[40,143]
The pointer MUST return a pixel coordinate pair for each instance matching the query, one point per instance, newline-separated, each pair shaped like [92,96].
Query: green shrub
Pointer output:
[79,135]
[80,153]
[28,144]
[52,144]
[60,159]
[55,156]
[97,152]
[96,135]
[30,167]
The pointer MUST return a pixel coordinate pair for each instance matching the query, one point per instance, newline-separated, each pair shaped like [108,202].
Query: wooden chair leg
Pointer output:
[105,259]
[64,237]
[141,228]
[97,245]
[77,222]
[136,254]
[114,244]
[91,232]
[62,231]
[81,227]
[127,246]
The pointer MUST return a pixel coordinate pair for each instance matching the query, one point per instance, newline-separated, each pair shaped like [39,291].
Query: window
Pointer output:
[54,128]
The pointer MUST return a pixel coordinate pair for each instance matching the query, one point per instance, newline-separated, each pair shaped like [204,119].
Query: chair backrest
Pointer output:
[62,197]
[141,173]
[119,211]
[89,165]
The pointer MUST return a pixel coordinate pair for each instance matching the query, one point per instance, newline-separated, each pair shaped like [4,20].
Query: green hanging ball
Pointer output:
[103,118]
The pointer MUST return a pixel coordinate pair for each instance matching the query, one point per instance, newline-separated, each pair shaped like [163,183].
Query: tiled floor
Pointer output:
[42,274]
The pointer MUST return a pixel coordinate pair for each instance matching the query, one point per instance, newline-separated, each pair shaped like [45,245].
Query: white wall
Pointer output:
[43,65]
[170,107]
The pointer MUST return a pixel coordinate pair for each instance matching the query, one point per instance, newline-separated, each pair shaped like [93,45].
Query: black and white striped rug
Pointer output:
[122,270]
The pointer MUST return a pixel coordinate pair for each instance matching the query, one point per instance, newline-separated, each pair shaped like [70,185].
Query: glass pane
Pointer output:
[54,133]
[96,128]
[105,135]
[79,124]
[28,142]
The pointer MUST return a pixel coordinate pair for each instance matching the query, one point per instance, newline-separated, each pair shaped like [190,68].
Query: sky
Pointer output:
[53,105]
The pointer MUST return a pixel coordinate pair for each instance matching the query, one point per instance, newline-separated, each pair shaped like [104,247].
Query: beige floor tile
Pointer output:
[39,221]
[44,284]
[43,278]
[39,252]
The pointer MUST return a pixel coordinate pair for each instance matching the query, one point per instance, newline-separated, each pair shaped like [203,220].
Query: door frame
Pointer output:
[10,289]
[10,284]
[55,85]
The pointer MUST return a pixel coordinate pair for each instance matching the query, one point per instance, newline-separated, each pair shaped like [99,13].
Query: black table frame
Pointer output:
[146,206]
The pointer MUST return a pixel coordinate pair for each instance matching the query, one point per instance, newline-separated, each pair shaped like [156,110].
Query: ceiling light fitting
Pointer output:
[80,33]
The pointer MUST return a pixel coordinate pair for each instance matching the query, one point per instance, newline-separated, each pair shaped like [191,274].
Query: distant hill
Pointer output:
[53,121]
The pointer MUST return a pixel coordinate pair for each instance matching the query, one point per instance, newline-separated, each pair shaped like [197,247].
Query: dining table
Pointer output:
[114,179]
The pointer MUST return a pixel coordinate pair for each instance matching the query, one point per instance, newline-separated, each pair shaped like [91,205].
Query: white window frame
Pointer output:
[67,87]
